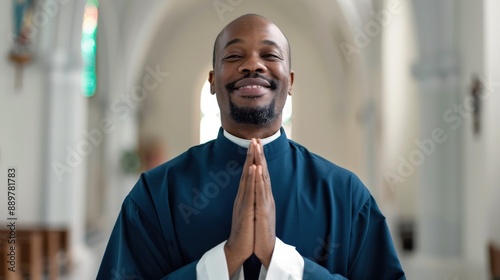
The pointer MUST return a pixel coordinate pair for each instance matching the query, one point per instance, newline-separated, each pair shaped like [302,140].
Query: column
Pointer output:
[439,220]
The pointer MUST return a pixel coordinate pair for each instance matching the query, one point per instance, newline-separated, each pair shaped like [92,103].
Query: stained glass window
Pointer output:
[89,36]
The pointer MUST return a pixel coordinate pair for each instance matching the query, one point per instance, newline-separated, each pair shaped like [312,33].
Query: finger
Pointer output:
[265,223]
[260,189]
[264,192]
[244,175]
[260,159]
[250,158]
[249,196]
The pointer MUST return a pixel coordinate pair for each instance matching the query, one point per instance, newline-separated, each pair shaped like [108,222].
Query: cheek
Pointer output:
[221,80]
[226,70]
[285,83]
[283,74]
[281,99]
[222,101]
[219,86]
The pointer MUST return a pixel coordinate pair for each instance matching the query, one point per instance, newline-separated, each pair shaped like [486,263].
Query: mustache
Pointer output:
[230,86]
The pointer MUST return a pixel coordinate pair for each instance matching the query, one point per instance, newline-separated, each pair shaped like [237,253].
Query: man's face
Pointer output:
[251,75]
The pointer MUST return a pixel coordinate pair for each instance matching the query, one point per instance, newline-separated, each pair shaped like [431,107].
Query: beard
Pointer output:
[255,116]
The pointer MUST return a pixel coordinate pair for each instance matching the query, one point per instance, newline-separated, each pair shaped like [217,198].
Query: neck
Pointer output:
[248,131]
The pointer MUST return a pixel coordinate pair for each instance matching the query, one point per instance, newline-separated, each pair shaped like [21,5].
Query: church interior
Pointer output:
[401,92]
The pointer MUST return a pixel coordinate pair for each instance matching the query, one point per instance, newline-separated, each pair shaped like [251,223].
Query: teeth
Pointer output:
[251,86]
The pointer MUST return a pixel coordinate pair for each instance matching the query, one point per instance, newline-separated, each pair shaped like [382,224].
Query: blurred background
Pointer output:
[401,92]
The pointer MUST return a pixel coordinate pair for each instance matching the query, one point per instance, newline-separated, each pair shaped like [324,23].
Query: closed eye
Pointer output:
[272,56]
[232,57]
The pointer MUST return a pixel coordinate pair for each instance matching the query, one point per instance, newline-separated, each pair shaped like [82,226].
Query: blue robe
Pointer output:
[181,209]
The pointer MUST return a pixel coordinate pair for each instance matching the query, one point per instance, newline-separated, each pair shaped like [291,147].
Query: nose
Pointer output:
[253,63]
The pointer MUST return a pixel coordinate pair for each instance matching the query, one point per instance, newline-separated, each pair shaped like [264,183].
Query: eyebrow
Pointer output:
[238,40]
[271,43]
[232,42]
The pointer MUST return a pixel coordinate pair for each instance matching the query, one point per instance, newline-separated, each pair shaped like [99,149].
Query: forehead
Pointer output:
[252,30]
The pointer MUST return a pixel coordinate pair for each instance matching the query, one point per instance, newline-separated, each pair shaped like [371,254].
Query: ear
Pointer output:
[290,82]
[211,81]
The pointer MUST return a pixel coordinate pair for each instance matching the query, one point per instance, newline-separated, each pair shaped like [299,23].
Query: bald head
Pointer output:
[253,21]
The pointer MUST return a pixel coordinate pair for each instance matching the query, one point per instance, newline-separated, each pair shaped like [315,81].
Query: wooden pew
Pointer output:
[38,253]
[494,256]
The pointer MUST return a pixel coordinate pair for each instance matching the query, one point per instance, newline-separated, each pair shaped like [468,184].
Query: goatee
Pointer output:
[255,116]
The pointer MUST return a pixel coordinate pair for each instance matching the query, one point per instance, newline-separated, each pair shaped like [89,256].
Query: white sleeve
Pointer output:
[213,265]
[286,263]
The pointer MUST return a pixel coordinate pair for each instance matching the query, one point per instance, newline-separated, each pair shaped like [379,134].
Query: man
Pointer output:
[294,214]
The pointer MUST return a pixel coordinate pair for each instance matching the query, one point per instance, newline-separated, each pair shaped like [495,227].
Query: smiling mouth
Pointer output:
[250,91]
[255,84]
[252,86]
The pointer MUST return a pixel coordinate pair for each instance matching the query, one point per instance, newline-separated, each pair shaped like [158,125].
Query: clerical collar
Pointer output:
[245,143]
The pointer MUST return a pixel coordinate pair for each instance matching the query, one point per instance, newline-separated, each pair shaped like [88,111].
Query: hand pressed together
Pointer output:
[254,215]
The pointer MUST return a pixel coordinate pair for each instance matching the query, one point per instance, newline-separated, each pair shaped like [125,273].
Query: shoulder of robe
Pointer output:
[192,155]
[338,176]
[153,183]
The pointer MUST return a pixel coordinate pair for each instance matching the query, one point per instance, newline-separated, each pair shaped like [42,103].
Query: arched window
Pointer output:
[287,117]
[89,38]
[210,115]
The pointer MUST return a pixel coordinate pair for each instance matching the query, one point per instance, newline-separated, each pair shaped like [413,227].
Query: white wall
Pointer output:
[456,41]
[478,44]
[492,114]
[399,109]
[21,127]
[472,39]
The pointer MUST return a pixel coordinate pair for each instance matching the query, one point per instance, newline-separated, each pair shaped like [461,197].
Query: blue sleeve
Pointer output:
[371,251]
[137,250]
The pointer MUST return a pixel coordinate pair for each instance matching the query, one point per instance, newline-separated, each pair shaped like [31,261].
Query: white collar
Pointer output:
[245,143]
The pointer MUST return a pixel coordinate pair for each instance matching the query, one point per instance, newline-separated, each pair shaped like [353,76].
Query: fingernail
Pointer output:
[250,171]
